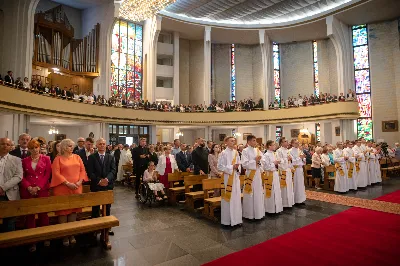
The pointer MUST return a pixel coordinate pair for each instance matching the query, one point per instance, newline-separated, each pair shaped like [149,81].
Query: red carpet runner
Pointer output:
[353,237]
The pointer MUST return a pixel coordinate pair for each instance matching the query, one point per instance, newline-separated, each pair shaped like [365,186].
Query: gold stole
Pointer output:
[268,178]
[351,169]
[283,178]
[358,165]
[339,168]
[228,190]
[248,181]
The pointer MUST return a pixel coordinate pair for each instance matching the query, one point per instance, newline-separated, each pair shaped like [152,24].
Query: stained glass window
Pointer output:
[362,81]
[233,73]
[277,79]
[315,67]
[127,59]
[278,133]
[318,131]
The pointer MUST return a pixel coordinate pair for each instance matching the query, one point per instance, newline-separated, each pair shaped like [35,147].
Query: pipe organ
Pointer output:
[56,47]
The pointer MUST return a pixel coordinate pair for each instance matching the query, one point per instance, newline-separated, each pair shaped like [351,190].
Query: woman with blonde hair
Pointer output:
[166,165]
[68,173]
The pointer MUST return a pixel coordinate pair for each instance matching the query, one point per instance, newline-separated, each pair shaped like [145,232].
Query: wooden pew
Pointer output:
[57,203]
[210,204]
[191,197]
[173,191]
[391,167]
[329,181]
[308,179]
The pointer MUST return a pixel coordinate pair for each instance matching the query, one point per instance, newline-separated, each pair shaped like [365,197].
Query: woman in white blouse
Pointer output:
[166,165]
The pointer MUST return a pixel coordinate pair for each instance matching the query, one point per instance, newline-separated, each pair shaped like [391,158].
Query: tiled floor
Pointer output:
[164,235]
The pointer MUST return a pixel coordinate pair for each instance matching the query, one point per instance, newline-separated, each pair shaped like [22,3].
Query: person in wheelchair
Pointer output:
[150,177]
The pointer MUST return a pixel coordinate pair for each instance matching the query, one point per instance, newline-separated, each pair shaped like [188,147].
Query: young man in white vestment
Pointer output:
[341,183]
[298,160]
[364,148]
[285,173]
[374,168]
[253,190]
[231,202]
[352,174]
[273,195]
[361,165]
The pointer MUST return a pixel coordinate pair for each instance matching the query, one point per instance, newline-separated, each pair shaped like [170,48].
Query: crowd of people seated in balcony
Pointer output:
[312,100]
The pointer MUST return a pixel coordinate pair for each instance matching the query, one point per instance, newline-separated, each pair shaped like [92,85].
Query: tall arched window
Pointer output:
[127,59]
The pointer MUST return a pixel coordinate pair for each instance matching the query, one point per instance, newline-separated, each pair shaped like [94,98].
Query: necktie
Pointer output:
[102,159]
[23,154]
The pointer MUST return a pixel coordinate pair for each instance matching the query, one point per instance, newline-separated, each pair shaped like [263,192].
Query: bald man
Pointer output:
[10,177]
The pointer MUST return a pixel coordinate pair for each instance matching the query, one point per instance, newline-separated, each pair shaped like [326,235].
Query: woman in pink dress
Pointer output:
[35,183]
[166,165]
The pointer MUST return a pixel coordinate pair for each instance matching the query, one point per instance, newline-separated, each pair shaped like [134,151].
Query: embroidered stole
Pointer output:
[282,178]
[268,177]
[228,190]
[350,166]
[248,181]
[358,164]
[339,168]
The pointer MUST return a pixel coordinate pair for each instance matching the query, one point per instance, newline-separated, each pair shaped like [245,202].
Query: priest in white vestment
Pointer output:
[341,183]
[282,154]
[125,158]
[362,174]
[352,174]
[298,160]
[365,149]
[269,162]
[253,201]
[229,163]
[375,171]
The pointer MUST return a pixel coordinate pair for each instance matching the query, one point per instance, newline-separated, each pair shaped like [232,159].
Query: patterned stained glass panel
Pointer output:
[233,73]
[316,76]
[126,59]
[278,133]
[360,36]
[275,48]
[364,128]
[277,82]
[318,131]
[316,89]
[363,84]
[278,95]
[361,57]
[364,105]
[276,60]
[315,52]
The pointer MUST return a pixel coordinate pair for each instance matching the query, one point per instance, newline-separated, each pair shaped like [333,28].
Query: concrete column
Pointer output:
[153,134]
[266,52]
[176,68]
[152,28]
[340,34]
[207,65]
[348,129]
[18,38]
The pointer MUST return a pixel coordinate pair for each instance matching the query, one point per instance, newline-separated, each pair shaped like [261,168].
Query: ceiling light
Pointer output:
[53,130]
[139,10]
[179,134]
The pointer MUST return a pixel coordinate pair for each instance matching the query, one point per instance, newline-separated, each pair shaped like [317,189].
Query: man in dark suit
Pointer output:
[101,171]
[21,150]
[86,152]
[200,161]
[81,145]
[9,78]
[140,156]
[184,159]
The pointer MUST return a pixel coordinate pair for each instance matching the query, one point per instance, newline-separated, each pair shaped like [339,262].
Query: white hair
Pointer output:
[64,144]
[99,140]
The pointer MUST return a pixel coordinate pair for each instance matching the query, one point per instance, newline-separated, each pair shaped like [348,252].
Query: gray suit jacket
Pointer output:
[12,177]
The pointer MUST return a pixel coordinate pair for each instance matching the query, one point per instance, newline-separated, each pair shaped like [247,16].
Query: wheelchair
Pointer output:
[147,195]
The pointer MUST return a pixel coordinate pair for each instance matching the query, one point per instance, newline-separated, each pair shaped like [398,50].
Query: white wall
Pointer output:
[196,72]
[385,80]
[184,59]
[296,69]
[217,132]
[6,126]
[165,48]
[257,73]
[327,67]
[244,72]
[257,131]
[221,56]
[74,16]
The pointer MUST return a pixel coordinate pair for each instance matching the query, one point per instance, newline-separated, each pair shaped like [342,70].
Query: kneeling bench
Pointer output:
[58,203]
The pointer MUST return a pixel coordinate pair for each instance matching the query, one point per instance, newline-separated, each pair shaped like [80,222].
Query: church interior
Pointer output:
[199,132]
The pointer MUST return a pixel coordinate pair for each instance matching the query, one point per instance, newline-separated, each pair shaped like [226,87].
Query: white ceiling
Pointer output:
[43,120]
[82,4]
[251,12]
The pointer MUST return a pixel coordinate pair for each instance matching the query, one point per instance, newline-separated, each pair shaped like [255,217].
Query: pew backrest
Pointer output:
[56,203]
[211,184]
[191,180]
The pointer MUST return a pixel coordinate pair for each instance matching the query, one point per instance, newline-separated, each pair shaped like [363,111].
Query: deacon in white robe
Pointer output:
[282,154]
[362,174]
[125,158]
[253,202]
[341,183]
[375,167]
[273,203]
[364,148]
[231,211]
[351,166]
[298,160]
